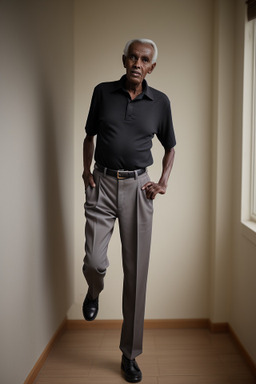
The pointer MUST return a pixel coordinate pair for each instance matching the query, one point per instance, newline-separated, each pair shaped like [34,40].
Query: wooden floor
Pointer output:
[170,357]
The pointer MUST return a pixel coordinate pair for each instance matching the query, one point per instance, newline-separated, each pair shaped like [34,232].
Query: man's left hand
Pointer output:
[152,189]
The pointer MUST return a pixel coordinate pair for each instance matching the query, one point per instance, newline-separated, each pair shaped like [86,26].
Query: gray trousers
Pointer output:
[124,200]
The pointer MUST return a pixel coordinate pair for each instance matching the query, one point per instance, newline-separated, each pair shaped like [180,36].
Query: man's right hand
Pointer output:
[88,149]
[88,180]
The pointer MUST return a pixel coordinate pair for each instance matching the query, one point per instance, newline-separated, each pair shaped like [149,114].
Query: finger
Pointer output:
[153,195]
[145,186]
[149,194]
[91,182]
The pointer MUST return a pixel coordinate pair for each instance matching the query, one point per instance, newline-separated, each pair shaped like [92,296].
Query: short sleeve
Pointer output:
[91,126]
[165,132]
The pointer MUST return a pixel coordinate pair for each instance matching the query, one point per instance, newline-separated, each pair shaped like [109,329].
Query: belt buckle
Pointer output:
[119,177]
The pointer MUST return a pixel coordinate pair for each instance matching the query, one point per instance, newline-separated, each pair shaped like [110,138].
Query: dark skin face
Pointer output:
[138,64]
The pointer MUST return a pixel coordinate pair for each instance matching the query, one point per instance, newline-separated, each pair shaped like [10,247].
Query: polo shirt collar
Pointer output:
[120,85]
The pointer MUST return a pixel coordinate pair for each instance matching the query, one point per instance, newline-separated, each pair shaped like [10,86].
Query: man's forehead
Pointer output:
[144,48]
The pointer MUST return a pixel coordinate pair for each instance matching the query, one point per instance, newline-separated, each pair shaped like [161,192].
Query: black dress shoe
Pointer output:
[90,308]
[131,370]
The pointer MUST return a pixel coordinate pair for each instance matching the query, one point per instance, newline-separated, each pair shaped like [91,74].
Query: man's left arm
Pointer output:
[151,188]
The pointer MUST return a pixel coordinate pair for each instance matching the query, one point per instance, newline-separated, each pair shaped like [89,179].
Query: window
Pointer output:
[253,126]
[248,208]
[248,211]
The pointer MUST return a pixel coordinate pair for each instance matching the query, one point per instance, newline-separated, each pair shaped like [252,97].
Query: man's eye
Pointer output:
[146,60]
[133,58]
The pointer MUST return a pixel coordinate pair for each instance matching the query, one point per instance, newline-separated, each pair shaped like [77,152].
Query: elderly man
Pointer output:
[125,115]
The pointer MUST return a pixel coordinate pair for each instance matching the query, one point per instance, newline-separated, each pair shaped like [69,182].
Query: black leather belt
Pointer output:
[120,174]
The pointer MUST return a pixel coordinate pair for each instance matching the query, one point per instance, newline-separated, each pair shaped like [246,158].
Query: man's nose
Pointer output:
[137,63]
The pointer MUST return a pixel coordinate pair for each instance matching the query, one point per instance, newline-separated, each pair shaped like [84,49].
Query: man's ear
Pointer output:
[152,68]
[124,60]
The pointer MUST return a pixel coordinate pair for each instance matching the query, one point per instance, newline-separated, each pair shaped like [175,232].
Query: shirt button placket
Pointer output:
[129,110]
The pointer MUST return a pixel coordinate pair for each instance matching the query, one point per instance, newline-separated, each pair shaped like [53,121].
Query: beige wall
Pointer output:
[36,162]
[233,246]
[221,167]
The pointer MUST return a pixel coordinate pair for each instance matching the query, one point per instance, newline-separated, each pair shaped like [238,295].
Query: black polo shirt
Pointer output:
[125,127]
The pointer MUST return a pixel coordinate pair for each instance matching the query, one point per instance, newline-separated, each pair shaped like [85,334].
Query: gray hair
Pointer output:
[143,41]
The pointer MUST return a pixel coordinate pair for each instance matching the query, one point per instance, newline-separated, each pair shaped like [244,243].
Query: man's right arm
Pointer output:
[88,150]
